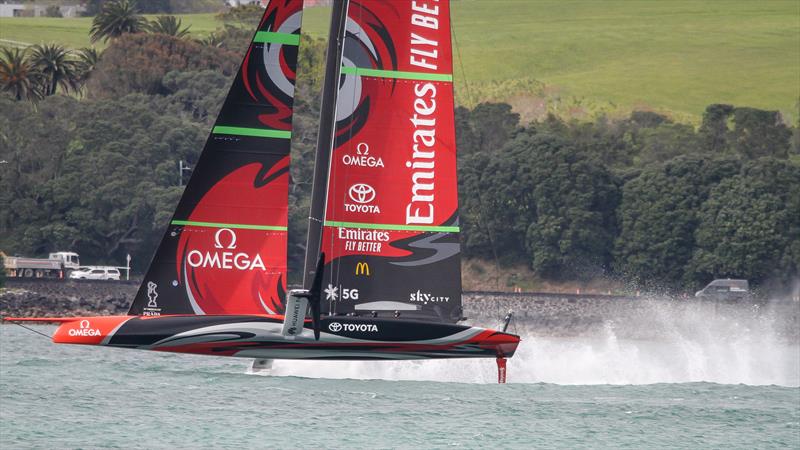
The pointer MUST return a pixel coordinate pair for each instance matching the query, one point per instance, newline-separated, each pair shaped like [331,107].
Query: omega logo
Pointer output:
[231,245]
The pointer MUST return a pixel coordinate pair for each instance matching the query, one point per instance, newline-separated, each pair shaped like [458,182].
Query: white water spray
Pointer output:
[684,343]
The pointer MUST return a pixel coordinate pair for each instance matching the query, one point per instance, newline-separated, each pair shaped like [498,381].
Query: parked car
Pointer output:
[96,273]
[725,289]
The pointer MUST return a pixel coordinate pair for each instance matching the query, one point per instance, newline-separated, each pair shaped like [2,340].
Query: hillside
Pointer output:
[578,58]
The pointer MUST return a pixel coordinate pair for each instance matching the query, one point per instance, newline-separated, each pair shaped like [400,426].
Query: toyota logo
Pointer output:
[361,193]
[335,327]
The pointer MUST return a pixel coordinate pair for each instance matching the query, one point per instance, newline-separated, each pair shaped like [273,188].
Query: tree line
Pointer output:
[643,199]
[42,70]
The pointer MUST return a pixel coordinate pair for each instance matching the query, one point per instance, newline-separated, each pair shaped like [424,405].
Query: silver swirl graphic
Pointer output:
[272,55]
[356,54]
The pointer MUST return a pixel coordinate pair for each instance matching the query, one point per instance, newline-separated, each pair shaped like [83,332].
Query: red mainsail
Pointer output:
[391,221]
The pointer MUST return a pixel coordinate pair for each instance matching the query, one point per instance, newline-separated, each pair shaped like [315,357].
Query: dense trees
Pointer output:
[651,201]
[100,177]
[642,198]
[575,199]
[481,134]
[538,198]
[658,217]
[139,62]
[750,224]
[95,176]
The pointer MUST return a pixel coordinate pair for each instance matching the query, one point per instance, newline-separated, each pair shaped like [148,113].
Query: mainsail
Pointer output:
[224,251]
[391,217]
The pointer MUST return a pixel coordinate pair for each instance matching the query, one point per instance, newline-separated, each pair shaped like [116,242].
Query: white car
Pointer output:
[96,273]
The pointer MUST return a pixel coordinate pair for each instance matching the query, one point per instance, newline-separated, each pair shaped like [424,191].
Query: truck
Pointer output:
[56,265]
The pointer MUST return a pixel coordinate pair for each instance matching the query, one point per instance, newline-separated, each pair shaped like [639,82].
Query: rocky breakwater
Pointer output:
[554,314]
[57,298]
[535,314]
[645,317]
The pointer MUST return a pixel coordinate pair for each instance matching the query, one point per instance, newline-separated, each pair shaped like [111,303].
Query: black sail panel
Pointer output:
[224,251]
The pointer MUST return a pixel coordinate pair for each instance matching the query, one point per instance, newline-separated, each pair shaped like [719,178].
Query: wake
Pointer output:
[683,343]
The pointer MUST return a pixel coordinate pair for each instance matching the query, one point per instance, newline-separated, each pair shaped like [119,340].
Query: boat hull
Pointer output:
[259,336]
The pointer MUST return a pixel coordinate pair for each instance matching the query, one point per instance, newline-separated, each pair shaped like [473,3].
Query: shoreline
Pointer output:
[535,314]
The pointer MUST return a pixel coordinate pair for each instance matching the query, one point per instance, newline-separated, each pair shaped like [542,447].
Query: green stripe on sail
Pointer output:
[240,226]
[277,38]
[256,132]
[387,226]
[397,74]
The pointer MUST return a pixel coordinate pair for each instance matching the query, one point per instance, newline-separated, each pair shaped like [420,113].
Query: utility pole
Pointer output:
[181,168]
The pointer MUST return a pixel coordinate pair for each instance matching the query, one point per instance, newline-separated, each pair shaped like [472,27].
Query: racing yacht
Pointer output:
[382,274]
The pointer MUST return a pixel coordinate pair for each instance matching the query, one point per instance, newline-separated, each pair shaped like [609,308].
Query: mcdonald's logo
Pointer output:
[362,268]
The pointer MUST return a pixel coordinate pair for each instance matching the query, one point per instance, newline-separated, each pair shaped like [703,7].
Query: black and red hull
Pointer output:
[259,336]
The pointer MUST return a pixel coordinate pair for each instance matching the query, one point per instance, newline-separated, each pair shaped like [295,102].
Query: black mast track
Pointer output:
[327,127]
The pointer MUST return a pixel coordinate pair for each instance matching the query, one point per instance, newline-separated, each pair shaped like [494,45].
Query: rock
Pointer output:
[538,314]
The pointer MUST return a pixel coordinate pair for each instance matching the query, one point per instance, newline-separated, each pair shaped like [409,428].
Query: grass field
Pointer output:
[586,55]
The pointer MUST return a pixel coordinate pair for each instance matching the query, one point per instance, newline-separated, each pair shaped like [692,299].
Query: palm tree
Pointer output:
[168,25]
[18,75]
[57,66]
[211,40]
[116,18]
[88,57]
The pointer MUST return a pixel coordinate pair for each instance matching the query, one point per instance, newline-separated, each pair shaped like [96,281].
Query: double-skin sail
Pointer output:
[224,251]
[391,219]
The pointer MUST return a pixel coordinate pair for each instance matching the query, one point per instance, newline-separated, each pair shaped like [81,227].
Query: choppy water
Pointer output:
[573,393]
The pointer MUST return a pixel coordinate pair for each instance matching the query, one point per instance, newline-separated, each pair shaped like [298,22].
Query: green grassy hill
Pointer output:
[74,32]
[582,57]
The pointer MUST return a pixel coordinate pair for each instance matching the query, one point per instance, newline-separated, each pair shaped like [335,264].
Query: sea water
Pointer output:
[588,392]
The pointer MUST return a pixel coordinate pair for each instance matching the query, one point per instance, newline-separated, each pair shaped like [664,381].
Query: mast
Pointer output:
[327,125]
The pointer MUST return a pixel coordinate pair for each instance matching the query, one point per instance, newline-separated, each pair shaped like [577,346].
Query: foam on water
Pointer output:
[63,396]
[693,345]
